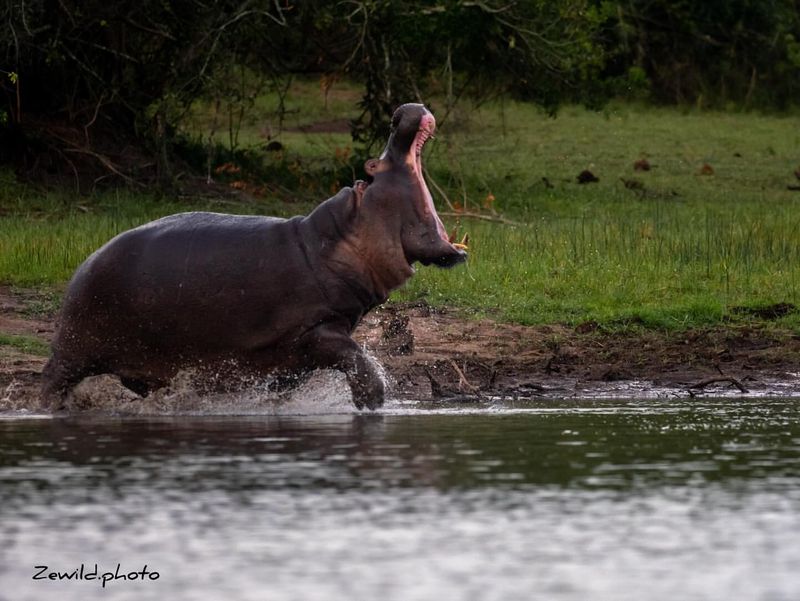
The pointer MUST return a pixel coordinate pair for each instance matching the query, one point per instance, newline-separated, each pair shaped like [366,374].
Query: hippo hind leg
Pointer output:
[58,378]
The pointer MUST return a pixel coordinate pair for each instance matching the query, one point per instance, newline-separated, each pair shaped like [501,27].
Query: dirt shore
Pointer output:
[431,353]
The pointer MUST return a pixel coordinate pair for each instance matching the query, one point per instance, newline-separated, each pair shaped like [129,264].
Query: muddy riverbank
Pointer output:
[431,353]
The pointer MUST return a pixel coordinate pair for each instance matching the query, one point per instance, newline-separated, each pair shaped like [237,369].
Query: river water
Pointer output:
[681,499]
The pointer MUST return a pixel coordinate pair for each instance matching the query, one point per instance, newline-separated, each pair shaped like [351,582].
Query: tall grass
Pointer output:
[678,267]
[43,241]
[45,251]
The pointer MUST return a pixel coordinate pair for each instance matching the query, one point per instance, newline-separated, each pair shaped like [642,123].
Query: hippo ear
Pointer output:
[372,166]
[375,166]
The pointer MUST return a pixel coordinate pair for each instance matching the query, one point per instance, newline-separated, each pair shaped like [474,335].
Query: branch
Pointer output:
[217,34]
[719,379]
[124,55]
[438,189]
[487,9]
[158,32]
[463,383]
[468,214]
[94,118]
[481,216]
[107,164]
[72,166]
[359,8]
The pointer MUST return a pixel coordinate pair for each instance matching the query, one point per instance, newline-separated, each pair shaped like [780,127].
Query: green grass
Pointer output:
[753,157]
[304,106]
[44,240]
[26,344]
[616,270]
[680,254]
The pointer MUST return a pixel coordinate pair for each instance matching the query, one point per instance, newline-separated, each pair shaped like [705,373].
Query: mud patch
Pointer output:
[458,357]
[773,311]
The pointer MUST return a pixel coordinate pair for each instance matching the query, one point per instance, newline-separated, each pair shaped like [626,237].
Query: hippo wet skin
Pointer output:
[254,295]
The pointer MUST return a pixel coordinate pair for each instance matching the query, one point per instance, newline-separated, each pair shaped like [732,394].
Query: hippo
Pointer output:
[254,295]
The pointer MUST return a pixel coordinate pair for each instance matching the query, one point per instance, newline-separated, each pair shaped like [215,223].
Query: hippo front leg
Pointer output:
[365,382]
[335,350]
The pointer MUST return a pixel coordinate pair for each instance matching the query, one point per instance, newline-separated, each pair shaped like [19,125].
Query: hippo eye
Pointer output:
[395,121]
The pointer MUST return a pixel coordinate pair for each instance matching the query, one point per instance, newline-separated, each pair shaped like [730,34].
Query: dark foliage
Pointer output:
[98,89]
[713,53]
[101,86]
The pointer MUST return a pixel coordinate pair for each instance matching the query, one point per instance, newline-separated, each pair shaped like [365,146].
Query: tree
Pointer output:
[101,86]
[99,89]
[721,51]
[536,50]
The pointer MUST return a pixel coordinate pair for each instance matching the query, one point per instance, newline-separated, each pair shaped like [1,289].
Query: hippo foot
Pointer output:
[365,380]
[333,348]
[367,391]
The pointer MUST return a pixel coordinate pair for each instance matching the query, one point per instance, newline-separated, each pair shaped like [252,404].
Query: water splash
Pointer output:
[322,392]
[11,396]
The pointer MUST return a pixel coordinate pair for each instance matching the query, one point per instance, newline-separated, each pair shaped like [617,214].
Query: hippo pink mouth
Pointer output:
[427,126]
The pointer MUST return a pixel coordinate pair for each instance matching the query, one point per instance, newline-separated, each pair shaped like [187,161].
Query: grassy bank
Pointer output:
[676,246]
[25,344]
[708,232]
[674,268]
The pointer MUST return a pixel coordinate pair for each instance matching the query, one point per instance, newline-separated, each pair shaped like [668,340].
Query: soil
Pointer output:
[445,354]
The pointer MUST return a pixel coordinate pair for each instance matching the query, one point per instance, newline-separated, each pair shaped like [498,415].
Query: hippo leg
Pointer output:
[336,350]
[58,378]
[365,381]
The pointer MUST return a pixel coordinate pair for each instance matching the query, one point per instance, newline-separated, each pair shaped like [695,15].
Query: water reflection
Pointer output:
[566,500]
[592,445]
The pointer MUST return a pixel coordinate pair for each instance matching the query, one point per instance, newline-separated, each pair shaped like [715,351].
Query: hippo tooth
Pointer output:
[452,237]
[460,245]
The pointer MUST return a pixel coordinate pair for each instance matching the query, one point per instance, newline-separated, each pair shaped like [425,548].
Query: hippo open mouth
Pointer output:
[427,125]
